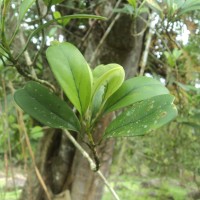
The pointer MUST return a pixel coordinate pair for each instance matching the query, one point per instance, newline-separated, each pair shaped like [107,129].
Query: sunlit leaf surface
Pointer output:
[72,73]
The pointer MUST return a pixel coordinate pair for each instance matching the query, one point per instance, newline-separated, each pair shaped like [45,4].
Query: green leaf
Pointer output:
[110,76]
[36,132]
[72,73]
[107,79]
[57,15]
[43,105]
[133,3]
[177,53]
[171,61]
[133,90]
[143,117]
[60,21]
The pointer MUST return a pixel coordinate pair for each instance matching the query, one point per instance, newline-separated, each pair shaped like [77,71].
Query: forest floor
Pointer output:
[154,188]
[11,185]
[127,187]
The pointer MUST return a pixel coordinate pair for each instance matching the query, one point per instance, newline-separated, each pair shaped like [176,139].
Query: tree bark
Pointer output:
[65,172]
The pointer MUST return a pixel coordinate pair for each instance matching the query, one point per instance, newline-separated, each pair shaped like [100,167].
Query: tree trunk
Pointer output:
[65,172]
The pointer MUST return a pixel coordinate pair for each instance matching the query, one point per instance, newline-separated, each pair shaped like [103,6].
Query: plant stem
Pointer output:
[92,164]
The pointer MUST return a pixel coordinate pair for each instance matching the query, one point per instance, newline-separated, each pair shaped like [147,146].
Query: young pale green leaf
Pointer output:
[133,90]
[43,105]
[133,3]
[143,117]
[72,73]
[110,76]
[57,15]
[107,79]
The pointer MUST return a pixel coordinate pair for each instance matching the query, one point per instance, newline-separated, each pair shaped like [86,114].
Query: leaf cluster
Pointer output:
[95,93]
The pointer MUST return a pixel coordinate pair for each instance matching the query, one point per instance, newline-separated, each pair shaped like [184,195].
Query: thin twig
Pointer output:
[92,163]
[38,174]
[6,130]
[23,127]
[147,45]
[42,33]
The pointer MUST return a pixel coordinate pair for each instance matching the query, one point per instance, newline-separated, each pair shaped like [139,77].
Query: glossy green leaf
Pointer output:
[133,90]
[110,76]
[72,73]
[143,117]
[107,80]
[43,105]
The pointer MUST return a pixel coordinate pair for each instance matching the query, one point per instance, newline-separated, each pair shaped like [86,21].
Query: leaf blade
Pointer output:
[133,90]
[111,75]
[107,80]
[72,73]
[143,117]
[47,108]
